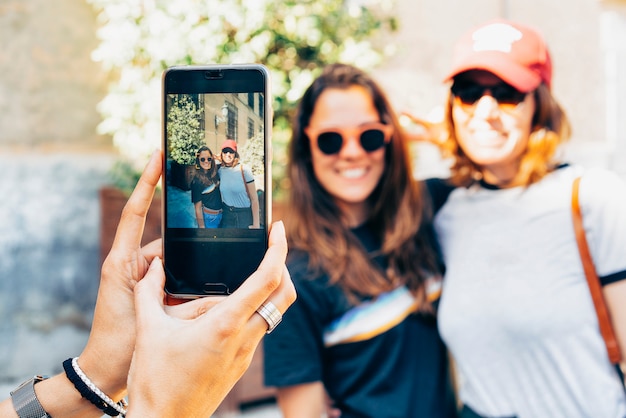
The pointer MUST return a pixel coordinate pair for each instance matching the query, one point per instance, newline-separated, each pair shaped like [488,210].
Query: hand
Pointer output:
[428,131]
[185,368]
[113,331]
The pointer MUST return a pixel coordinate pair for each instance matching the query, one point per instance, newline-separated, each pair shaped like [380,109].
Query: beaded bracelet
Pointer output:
[90,391]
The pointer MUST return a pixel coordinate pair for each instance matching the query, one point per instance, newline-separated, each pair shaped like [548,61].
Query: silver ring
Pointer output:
[271,314]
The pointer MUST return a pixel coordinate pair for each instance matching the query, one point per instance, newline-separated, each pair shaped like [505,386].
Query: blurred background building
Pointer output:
[53,162]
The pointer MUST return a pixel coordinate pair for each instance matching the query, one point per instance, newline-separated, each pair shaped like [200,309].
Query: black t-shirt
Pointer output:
[438,192]
[397,371]
[209,194]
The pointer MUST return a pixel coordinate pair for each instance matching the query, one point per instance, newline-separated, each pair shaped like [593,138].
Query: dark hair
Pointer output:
[397,206]
[206,177]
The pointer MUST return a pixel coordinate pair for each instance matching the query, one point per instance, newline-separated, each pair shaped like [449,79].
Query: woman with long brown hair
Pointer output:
[363,259]
[205,190]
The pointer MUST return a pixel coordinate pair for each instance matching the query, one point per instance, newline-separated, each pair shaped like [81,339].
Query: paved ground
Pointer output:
[265,411]
[181,212]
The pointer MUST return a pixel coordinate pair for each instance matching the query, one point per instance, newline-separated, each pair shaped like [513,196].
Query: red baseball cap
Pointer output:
[230,143]
[516,53]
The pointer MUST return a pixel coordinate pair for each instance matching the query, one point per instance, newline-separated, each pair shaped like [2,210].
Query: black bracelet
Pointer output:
[85,392]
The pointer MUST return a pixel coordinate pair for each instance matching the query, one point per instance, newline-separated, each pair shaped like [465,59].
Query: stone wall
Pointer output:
[49,258]
[52,166]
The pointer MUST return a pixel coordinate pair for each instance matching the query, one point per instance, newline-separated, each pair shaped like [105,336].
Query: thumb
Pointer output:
[149,293]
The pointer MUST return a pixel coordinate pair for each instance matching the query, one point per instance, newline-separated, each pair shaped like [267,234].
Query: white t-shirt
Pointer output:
[232,185]
[516,311]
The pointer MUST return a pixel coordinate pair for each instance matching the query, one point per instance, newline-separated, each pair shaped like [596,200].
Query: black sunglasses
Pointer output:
[372,137]
[208,159]
[228,151]
[468,93]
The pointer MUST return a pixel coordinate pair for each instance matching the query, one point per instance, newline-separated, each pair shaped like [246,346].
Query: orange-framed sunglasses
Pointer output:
[372,137]
[466,94]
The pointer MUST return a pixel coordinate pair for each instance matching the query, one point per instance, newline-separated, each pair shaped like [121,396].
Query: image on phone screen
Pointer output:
[215,178]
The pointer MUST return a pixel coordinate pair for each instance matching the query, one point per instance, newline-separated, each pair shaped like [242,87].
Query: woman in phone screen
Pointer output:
[205,190]
[239,195]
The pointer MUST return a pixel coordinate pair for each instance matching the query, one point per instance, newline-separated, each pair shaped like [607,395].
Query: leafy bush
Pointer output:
[293,38]
[183,130]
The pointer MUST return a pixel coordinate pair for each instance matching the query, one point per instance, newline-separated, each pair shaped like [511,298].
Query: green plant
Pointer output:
[293,38]
[124,176]
[183,130]
[252,153]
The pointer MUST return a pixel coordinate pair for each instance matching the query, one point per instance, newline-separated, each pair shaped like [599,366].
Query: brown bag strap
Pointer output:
[604,319]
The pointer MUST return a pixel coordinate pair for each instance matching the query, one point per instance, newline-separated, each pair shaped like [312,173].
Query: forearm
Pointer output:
[254,204]
[615,294]
[302,401]
[59,398]
[199,215]
[255,213]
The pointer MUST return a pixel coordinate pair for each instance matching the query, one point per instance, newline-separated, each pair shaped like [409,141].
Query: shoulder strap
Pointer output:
[606,328]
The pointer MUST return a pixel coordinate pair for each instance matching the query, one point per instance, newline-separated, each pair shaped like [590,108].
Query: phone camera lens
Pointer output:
[212,74]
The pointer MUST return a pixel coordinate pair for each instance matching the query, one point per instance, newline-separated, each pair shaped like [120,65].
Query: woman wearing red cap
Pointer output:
[239,195]
[516,310]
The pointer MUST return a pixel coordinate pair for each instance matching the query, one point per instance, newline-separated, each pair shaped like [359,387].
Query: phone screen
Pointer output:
[217,180]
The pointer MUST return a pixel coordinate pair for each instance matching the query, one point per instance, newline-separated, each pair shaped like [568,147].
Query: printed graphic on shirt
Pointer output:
[377,316]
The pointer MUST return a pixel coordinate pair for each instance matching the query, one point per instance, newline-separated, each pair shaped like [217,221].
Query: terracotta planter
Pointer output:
[181,175]
[112,201]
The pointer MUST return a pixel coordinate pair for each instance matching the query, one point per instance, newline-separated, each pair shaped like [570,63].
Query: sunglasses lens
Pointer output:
[507,95]
[372,139]
[329,142]
[468,94]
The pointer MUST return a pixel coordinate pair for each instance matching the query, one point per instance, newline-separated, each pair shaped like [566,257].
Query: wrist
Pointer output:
[25,401]
[59,398]
[106,375]
[88,390]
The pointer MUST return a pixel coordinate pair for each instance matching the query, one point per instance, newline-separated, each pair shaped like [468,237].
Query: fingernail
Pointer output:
[155,262]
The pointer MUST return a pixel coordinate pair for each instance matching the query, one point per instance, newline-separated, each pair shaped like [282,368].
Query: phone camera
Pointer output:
[213,74]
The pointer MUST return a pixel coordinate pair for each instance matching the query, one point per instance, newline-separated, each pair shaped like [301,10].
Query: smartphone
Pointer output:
[217,176]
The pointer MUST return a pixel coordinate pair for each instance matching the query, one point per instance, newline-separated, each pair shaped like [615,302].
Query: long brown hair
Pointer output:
[550,129]
[396,206]
[206,177]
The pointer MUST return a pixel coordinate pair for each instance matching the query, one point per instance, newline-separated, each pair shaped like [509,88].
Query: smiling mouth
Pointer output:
[489,137]
[353,173]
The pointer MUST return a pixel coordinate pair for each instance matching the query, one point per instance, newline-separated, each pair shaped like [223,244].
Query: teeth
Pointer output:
[353,173]
[487,137]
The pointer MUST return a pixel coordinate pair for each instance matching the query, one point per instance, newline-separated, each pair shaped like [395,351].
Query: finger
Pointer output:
[152,249]
[282,298]
[193,308]
[149,293]
[132,221]
[172,301]
[415,119]
[265,280]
